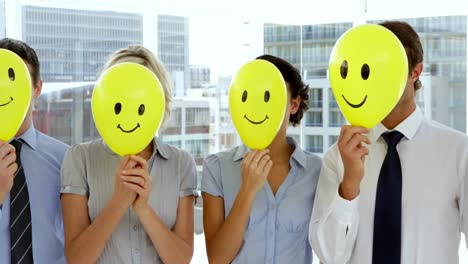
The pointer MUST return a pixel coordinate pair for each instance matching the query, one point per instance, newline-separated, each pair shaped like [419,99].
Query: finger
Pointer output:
[5,150]
[363,151]
[138,172]
[136,180]
[11,170]
[141,161]
[259,155]
[349,131]
[134,187]
[8,160]
[356,141]
[340,136]
[263,162]
[123,162]
[267,168]
[131,163]
[248,157]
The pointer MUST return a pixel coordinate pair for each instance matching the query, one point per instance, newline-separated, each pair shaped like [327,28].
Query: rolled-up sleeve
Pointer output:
[73,172]
[211,182]
[188,183]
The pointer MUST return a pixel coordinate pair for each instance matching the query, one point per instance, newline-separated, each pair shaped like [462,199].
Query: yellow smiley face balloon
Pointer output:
[368,74]
[257,102]
[15,93]
[128,107]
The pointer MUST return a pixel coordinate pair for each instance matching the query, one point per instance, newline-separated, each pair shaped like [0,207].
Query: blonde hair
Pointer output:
[141,55]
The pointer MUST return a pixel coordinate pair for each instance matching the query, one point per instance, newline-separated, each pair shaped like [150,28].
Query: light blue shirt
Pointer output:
[41,157]
[277,230]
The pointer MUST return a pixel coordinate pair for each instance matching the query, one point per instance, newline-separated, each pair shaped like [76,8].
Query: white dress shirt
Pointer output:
[434,162]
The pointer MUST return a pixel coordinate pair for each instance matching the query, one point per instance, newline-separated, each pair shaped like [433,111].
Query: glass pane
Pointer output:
[314,144]
[336,117]
[283,41]
[444,76]
[332,140]
[173,50]
[203,52]
[73,45]
[2,19]
[317,43]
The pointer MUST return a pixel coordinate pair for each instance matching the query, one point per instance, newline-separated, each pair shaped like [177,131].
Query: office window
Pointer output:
[202,52]
[332,140]
[314,143]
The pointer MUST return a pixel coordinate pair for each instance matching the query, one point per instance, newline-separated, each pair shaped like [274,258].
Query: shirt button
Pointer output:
[135,227]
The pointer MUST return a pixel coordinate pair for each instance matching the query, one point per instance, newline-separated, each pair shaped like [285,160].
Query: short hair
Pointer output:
[141,55]
[410,40]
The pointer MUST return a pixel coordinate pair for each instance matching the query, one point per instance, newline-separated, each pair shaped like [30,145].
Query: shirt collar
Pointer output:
[408,127]
[298,155]
[158,146]
[29,137]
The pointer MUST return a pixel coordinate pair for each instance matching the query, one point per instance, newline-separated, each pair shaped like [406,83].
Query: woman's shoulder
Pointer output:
[312,157]
[168,151]
[90,148]
[312,161]
[231,155]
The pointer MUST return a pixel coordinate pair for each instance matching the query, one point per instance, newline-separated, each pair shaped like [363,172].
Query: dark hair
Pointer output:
[410,40]
[26,53]
[296,86]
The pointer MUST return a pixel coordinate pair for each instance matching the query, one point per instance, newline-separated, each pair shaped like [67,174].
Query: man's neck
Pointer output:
[24,127]
[399,114]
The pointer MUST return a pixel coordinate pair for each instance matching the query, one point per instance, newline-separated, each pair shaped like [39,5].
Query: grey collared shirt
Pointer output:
[89,170]
[277,229]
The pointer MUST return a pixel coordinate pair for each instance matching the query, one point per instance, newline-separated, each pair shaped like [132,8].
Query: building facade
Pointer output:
[308,47]
[72,44]
[2,19]
[173,50]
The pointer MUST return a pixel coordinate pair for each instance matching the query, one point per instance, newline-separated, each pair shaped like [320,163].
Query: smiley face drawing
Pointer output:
[128,107]
[15,93]
[257,103]
[368,73]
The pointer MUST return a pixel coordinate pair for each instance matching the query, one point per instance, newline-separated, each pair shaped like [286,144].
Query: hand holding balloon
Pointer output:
[122,195]
[255,168]
[137,179]
[353,153]
[8,168]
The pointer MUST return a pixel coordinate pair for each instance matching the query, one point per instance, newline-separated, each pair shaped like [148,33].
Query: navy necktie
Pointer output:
[387,217]
[20,215]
